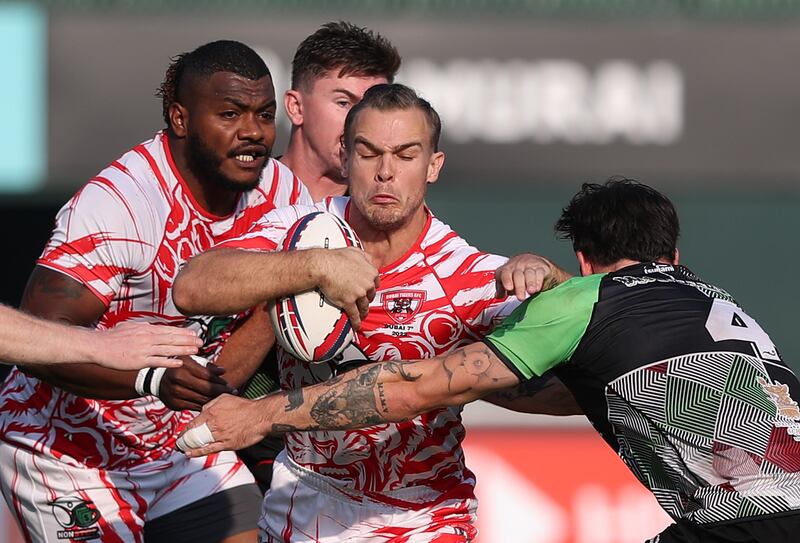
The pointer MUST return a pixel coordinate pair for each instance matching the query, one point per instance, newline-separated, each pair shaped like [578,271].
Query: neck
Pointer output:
[618,265]
[214,199]
[386,247]
[312,171]
[624,263]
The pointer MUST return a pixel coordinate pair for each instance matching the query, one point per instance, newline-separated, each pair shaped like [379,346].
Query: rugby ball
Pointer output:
[306,325]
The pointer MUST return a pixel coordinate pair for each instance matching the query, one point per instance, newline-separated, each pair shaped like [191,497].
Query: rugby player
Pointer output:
[103,440]
[433,292]
[685,386]
[331,70]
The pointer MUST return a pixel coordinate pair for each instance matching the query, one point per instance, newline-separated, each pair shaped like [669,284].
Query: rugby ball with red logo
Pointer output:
[308,326]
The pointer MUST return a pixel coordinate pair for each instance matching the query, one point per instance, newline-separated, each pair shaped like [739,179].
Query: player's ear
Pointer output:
[178,117]
[585,265]
[293,104]
[435,166]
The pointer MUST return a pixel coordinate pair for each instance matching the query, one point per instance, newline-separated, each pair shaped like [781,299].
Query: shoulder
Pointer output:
[547,328]
[131,197]
[442,246]
[576,295]
[140,177]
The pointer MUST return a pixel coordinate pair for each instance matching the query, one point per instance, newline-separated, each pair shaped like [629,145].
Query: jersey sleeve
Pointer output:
[96,240]
[268,232]
[471,286]
[546,329]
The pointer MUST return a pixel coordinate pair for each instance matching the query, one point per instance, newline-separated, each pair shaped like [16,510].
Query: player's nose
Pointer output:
[250,128]
[385,171]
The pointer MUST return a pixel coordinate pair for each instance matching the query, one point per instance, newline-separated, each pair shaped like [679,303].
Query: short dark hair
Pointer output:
[217,56]
[352,49]
[393,97]
[620,219]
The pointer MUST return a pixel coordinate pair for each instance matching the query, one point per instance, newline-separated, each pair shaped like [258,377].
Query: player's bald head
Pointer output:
[217,56]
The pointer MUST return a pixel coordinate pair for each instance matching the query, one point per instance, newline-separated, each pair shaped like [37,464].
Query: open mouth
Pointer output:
[250,157]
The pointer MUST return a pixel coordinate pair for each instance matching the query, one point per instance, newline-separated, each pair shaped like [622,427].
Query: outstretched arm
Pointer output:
[372,394]
[27,340]
[57,297]
[54,296]
[226,280]
[545,395]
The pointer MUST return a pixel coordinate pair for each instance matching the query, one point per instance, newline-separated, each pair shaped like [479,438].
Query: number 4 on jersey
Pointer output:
[728,321]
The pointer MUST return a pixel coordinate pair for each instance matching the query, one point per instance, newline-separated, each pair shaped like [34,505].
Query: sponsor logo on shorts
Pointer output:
[402,305]
[77,516]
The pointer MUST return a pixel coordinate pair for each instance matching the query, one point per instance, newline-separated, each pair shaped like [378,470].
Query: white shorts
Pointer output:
[302,505]
[57,503]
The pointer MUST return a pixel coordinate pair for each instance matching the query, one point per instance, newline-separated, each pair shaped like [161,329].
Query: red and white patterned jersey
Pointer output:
[125,235]
[437,297]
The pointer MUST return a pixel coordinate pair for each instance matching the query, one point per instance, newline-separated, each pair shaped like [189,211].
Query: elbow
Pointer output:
[415,403]
[184,296]
[404,405]
[407,410]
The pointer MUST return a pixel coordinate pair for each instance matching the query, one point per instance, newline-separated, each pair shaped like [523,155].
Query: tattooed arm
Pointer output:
[545,395]
[373,394]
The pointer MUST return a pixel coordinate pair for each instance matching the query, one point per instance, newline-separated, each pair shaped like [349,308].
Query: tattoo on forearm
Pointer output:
[449,374]
[284,428]
[355,405]
[353,400]
[399,369]
[382,396]
[465,367]
[295,398]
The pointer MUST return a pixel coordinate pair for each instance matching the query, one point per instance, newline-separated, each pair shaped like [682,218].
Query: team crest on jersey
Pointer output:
[779,394]
[77,516]
[402,305]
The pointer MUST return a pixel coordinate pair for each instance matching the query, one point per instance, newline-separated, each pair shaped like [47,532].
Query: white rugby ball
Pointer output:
[308,326]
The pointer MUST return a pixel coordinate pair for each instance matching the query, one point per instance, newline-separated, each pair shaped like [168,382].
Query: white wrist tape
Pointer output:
[199,359]
[148,380]
[139,384]
[155,382]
